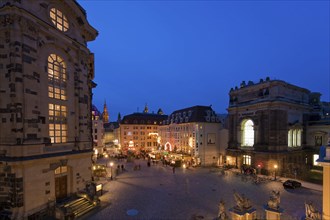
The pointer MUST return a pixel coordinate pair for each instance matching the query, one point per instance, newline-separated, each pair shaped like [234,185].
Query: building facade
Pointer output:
[46,73]
[318,126]
[268,127]
[196,131]
[97,131]
[139,131]
[111,134]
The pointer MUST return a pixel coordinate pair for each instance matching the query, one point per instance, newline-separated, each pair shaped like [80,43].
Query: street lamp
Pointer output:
[275,167]
[106,157]
[111,164]
[259,167]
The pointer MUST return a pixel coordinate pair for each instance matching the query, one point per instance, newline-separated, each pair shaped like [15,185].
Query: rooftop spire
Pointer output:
[146,110]
[105,114]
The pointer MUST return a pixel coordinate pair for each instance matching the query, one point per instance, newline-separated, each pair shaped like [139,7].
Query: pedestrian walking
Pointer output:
[173,169]
[122,167]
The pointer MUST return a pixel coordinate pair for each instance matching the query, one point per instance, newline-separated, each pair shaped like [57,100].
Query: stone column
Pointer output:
[326,190]
[325,162]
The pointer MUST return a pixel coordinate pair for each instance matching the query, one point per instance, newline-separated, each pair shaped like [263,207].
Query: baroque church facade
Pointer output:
[46,73]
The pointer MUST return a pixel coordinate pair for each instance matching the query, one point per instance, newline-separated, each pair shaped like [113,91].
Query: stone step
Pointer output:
[84,210]
[71,203]
[77,205]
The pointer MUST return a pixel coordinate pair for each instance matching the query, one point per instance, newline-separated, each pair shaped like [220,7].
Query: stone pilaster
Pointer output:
[324,160]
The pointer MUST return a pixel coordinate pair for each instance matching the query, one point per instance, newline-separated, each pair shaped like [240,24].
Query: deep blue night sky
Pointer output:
[177,54]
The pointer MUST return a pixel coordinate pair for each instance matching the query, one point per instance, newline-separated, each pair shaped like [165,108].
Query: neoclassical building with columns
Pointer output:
[271,127]
[46,73]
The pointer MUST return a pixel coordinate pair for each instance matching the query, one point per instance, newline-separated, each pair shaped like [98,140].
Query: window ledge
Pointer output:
[249,148]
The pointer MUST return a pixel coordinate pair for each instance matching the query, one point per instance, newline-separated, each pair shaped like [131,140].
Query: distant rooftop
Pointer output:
[196,113]
[144,118]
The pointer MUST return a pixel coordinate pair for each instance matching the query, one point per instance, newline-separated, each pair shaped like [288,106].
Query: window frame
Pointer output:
[57,126]
[57,77]
[294,137]
[59,19]
[247,139]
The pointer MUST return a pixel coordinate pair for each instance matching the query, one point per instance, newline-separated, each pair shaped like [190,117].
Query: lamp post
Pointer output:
[275,167]
[111,164]
[106,157]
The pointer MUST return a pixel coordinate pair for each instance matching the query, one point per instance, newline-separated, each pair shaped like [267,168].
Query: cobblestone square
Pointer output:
[156,192]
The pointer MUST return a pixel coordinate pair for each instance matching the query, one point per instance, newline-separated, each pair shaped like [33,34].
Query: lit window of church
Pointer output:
[56,77]
[61,169]
[59,19]
[57,123]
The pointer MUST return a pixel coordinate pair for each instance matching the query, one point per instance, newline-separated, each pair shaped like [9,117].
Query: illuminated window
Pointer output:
[315,157]
[56,77]
[247,159]
[59,19]
[294,137]
[61,169]
[247,133]
[57,123]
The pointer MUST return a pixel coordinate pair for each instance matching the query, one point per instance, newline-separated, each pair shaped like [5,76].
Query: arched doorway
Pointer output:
[61,182]
[168,146]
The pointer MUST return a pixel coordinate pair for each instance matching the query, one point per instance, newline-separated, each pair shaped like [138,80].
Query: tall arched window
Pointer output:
[57,113]
[56,77]
[294,137]
[247,133]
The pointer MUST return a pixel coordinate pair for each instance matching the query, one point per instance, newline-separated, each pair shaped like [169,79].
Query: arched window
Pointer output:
[57,113]
[247,133]
[294,137]
[56,77]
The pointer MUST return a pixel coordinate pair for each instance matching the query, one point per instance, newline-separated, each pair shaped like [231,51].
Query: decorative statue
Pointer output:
[222,215]
[274,201]
[311,212]
[242,203]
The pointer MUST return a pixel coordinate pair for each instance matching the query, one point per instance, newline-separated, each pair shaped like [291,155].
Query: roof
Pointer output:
[80,7]
[144,118]
[196,113]
[266,83]
[97,112]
